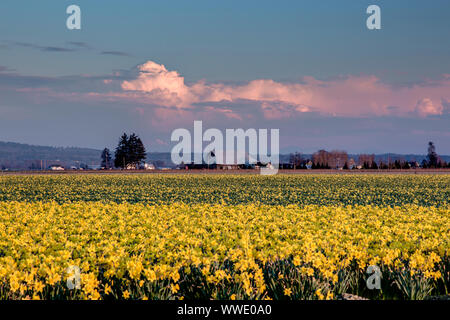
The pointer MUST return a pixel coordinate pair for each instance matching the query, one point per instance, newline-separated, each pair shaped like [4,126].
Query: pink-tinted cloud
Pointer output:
[345,96]
[163,87]
[165,97]
[426,107]
[229,113]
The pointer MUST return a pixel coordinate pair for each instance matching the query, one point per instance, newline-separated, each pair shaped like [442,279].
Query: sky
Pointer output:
[311,69]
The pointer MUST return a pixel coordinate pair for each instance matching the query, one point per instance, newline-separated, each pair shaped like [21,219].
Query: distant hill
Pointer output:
[24,156]
[17,152]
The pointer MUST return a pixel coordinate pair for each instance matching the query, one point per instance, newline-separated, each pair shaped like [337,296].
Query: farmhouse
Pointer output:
[56,167]
[148,166]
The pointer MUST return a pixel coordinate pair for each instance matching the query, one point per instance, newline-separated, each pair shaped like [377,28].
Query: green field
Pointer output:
[380,190]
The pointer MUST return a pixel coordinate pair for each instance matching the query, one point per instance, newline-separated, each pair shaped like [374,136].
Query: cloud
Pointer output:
[425,107]
[343,96]
[227,112]
[280,110]
[78,107]
[42,48]
[115,53]
[79,44]
[56,49]
[72,46]
[160,86]
[152,90]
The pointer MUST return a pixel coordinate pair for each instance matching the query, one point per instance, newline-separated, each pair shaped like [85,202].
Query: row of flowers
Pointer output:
[220,251]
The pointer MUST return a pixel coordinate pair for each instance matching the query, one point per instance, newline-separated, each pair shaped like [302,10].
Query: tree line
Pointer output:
[338,159]
[129,154]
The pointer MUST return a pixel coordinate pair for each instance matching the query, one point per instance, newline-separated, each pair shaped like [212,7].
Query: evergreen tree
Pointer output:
[432,155]
[397,164]
[106,159]
[130,151]
[383,165]
[137,151]
[141,153]
[132,147]
[374,165]
[121,155]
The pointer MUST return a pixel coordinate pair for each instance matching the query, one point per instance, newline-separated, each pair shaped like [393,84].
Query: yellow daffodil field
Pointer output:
[212,236]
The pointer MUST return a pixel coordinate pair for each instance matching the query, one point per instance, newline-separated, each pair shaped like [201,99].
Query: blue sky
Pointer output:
[49,75]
